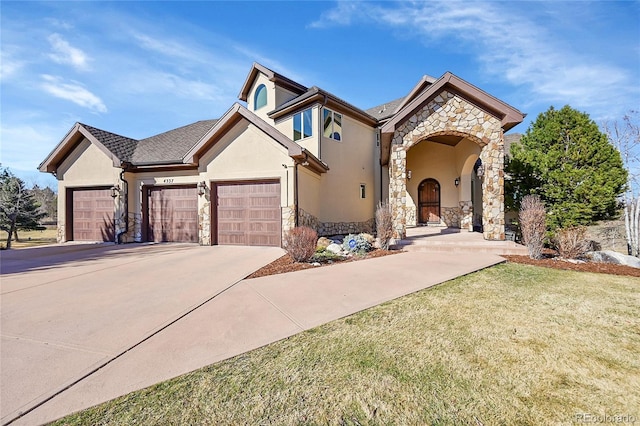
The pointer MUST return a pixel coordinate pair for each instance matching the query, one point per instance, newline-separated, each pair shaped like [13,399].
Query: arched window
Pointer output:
[260,98]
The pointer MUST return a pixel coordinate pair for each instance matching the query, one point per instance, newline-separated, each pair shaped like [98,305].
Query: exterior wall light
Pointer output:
[202,188]
[457,181]
[409,174]
[115,191]
[480,171]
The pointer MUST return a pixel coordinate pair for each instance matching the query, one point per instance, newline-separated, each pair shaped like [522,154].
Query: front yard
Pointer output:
[513,344]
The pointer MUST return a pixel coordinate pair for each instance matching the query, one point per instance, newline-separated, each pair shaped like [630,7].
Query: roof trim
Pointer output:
[315,95]
[509,116]
[231,118]
[68,143]
[279,79]
[418,88]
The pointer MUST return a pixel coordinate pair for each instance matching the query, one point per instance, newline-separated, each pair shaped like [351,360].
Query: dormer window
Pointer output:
[332,124]
[302,127]
[260,97]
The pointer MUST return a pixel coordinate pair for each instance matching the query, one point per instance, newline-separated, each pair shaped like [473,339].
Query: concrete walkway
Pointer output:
[253,313]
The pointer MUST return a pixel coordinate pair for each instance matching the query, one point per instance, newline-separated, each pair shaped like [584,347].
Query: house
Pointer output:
[294,155]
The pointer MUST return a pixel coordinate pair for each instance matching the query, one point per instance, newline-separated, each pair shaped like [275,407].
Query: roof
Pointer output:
[387,110]
[121,146]
[315,94]
[171,146]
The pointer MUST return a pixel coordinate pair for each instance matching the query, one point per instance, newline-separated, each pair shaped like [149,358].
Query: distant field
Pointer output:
[33,238]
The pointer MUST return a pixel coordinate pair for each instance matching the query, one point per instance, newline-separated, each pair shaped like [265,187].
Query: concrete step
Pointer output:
[492,247]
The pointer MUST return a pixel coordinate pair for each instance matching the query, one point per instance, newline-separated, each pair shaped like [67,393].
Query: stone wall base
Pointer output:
[325,229]
[134,233]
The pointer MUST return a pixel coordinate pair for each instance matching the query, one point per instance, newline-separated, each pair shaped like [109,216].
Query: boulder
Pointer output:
[334,248]
[368,237]
[609,256]
[323,242]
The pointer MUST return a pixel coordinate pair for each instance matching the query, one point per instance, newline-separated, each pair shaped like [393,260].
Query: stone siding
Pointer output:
[204,224]
[449,114]
[134,232]
[325,229]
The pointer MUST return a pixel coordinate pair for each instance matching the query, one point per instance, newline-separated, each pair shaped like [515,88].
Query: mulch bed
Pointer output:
[551,261]
[287,264]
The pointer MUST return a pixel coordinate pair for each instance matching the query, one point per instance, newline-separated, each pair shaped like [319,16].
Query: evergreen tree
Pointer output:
[18,209]
[570,163]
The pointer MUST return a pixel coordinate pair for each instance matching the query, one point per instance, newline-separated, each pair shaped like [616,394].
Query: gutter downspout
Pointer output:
[295,193]
[125,190]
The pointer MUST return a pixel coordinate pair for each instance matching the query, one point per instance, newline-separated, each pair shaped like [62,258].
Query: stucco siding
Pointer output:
[312,143]
[351,162]
[85,166]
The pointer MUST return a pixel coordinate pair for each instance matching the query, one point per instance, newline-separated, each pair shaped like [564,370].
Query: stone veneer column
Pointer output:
[398,188]
[492,157]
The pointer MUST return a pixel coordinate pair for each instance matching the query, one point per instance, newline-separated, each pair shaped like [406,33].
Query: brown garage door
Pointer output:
[92,215]
[249,214]
[173,214]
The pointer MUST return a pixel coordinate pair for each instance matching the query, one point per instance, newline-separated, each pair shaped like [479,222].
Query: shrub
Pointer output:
[384,224]
[571,242]
[533,225]
[357,243]
[300,243]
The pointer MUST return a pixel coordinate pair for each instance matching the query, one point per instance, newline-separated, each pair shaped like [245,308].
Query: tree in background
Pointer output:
[565,159]
[18,208]
[625,136]
[48,201]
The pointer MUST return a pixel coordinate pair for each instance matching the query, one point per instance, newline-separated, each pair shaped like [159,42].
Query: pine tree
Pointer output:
[18,208]
[571,164]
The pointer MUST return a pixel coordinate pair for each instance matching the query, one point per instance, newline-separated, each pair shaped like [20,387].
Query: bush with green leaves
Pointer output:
[357,243]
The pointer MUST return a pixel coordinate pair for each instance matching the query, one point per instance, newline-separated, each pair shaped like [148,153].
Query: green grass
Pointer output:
[509,345]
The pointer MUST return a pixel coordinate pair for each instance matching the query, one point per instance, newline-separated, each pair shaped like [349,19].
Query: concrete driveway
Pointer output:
[78,333]
[67,311]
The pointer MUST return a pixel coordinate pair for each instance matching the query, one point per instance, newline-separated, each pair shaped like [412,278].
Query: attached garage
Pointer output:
[247,213]
[172,214]
[91,215]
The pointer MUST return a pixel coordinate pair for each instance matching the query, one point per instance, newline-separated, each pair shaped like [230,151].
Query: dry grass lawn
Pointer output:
[32,238]
[513,344]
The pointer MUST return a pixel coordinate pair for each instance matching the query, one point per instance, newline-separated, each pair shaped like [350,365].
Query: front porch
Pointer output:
[454,240]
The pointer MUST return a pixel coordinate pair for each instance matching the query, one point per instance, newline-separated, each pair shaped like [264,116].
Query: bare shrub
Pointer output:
[384,224]
[300,243]
[533,224]
[572,242]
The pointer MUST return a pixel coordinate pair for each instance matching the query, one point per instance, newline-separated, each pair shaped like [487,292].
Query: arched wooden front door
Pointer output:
[429,201]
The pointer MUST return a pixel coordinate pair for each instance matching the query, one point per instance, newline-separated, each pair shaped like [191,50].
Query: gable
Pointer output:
[86,163]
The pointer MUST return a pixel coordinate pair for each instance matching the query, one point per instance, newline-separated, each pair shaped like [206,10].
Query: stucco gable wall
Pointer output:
[312,143]
[271,98]
[85,166]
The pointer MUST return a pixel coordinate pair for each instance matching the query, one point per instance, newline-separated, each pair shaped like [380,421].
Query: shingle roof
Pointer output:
[385,110]
[121,146]
[167,147]
[171,145]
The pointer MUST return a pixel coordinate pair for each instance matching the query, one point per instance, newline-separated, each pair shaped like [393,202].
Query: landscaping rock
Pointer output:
[609,256]
[368,237]
[334,248]
[323,242]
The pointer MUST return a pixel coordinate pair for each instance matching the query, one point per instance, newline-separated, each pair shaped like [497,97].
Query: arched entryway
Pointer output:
[429,201]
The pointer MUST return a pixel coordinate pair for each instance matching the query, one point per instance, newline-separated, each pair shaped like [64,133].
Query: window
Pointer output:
[260,97]
[302,127]
[332,124]
[363,188]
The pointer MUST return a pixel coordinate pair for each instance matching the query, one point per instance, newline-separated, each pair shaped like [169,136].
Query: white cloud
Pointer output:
[509,45]
[64,53]
[165,83]
[72,91]
[9,66]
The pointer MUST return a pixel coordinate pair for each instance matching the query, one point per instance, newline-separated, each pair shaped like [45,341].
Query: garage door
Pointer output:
[173,214]
[92,215]
[249,214]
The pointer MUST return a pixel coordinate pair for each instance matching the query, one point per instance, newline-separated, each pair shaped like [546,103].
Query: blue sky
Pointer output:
[141,68]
